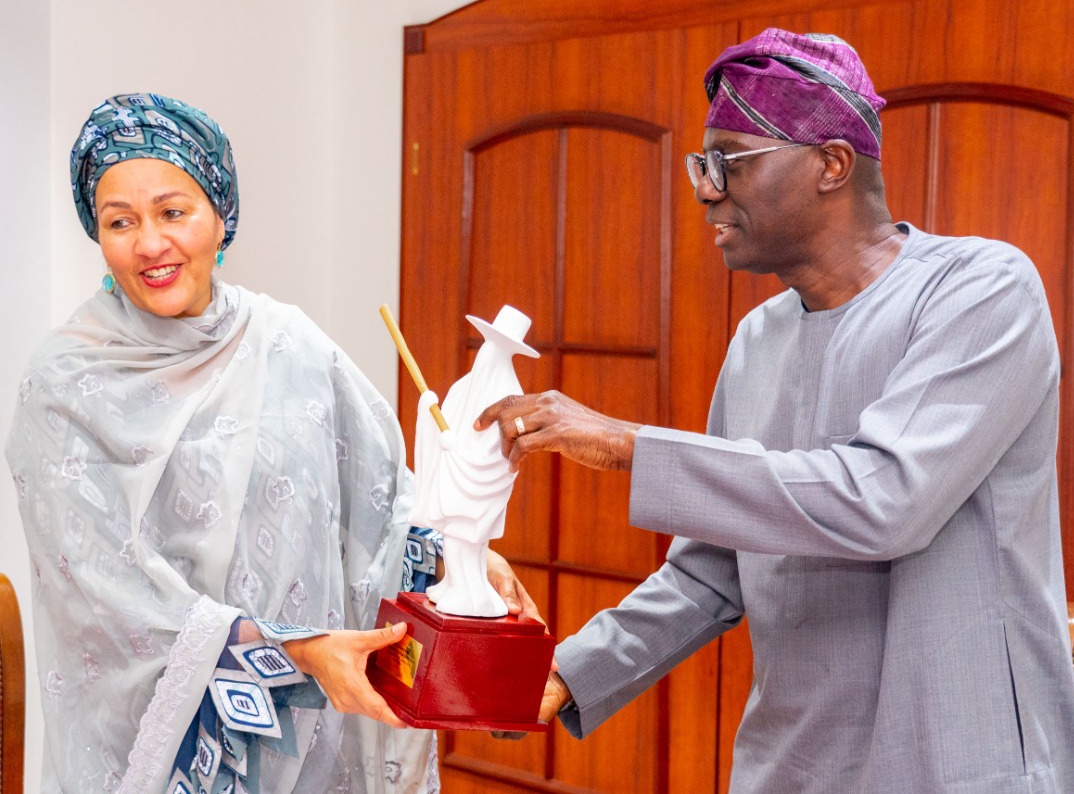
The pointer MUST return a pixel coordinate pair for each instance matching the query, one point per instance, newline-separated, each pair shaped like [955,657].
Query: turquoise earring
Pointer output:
[108,283]
[220,257]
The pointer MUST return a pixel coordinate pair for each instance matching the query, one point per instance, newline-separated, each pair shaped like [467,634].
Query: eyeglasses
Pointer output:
[714,163]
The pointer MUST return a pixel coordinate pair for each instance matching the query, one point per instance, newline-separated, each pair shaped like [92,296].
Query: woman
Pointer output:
[215,500]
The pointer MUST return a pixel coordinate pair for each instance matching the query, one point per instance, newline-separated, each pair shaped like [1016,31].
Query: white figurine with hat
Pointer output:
[463,482]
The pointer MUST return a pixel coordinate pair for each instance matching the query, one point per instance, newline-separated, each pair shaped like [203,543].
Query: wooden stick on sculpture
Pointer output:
[411,364]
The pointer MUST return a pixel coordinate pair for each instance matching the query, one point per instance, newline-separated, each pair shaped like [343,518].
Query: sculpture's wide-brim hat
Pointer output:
[508,330]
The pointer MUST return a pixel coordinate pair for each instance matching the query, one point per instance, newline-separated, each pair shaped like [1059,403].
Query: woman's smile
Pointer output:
[160,276]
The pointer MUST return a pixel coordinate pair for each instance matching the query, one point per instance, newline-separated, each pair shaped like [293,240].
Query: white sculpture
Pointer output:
[463,483]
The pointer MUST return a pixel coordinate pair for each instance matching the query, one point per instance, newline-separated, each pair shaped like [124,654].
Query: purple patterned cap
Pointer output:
[807,89]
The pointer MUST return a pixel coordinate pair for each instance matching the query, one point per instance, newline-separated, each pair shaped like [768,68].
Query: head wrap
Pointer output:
[808,89]
[149,125]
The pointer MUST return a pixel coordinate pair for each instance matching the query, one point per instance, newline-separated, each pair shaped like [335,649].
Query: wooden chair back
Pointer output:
[1070,614]
[12,691]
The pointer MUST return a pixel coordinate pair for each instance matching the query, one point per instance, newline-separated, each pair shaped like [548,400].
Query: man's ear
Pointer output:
[839,161]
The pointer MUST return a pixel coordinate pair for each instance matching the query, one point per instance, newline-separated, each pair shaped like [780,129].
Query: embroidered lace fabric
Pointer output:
[173,475]
[171,692]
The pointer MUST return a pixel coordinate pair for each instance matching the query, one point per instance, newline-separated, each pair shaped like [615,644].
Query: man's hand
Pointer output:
[503,580]
[556,696]
[337,660]
[553,422]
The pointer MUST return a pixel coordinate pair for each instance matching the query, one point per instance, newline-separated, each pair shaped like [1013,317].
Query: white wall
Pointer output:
[310,94]
[25,253]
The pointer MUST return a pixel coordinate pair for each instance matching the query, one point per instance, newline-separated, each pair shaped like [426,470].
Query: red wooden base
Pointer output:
[461,673]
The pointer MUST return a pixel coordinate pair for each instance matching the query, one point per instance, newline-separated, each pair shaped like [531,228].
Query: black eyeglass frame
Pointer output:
[713,164]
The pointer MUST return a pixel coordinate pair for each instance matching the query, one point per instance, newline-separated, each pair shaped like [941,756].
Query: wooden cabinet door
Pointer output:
[543,168]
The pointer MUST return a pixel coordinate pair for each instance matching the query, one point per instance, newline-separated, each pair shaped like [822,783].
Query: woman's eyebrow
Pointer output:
[166,196]
[123,205]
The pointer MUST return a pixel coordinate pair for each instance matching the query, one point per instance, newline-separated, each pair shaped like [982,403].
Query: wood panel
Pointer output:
[595,528]
[432,302]
[484,24]
[612,241]
[906,164]
[618,757]
[509,257]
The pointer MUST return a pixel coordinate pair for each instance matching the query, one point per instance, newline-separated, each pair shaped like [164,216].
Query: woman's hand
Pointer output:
[503,580]
[338,659]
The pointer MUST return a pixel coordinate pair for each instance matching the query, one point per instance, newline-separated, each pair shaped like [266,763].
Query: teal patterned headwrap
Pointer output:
[149,125]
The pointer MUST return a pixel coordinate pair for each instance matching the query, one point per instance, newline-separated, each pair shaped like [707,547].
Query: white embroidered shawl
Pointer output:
[173,474]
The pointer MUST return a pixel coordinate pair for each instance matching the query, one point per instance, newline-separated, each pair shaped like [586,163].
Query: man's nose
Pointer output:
[706,193]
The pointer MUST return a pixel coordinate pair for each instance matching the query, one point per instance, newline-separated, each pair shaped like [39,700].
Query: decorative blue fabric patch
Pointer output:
[282,632]
[207,758]
[180,784]
[287,743]
[268,663]
[423,546]
[248,704]
[234,750]
[242,704]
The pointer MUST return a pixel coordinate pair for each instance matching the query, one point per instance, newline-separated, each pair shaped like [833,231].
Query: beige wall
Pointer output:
[310,94]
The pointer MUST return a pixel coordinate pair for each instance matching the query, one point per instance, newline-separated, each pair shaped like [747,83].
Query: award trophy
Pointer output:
[465,663]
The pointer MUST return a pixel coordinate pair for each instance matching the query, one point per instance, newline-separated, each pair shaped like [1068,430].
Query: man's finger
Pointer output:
[516,454]
[515,735]
[486,418]
[492,413]
[505,447]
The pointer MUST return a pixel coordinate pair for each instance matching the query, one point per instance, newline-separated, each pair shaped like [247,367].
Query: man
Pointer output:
[877,488]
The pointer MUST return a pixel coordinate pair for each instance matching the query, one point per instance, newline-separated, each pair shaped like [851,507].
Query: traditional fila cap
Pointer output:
[805,88]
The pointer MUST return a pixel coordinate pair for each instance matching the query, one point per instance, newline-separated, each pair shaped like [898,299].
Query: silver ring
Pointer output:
[520,426]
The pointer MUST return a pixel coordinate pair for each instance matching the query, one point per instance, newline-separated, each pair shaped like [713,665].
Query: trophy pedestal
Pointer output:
[461,673]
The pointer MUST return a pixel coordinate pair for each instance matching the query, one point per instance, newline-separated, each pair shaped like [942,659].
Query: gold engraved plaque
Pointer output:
[400,660]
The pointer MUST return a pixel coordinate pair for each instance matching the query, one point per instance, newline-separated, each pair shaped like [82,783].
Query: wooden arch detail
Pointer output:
[563,123]
[934,96]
